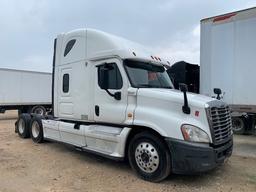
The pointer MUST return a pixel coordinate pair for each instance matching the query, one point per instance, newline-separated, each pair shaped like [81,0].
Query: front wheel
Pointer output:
[149,157]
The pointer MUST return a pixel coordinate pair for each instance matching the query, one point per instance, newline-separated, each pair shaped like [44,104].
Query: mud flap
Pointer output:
[16,127]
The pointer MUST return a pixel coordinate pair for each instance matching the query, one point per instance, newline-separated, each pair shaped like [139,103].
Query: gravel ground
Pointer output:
[55,167]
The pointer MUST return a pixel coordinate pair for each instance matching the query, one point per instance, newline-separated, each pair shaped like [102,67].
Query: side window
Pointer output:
[65,81]
[69,46]
[112,78]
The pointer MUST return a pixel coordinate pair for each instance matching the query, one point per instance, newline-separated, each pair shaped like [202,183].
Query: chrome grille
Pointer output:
[220,123]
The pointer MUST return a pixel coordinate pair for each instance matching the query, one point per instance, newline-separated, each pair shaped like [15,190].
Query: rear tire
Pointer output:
[39,110]
[238,125]
[149,157]
[23,124]
[36,129]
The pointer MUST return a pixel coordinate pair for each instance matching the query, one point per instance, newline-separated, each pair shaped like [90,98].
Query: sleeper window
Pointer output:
[69,46]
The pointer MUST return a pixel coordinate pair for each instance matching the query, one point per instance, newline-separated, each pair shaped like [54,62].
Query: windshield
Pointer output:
[147,75]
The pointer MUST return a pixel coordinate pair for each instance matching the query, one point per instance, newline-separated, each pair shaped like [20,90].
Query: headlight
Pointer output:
[194,134]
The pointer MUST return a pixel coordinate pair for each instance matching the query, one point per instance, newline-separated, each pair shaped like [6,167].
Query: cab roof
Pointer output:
[100,44]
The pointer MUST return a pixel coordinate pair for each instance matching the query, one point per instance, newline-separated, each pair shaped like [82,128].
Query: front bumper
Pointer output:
[193,158]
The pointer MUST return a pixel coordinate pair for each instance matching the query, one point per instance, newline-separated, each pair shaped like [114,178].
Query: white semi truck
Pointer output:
[228,46]
[26,91]
[113,98]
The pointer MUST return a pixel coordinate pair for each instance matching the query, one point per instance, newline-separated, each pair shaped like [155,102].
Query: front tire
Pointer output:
[22,124]
[149,157]
[36,129]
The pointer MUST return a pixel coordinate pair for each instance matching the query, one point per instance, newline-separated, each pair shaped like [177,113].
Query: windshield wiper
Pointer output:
[154,86]
[166,87]
[145,85]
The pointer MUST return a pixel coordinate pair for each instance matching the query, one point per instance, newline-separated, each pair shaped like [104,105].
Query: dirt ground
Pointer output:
[54,167]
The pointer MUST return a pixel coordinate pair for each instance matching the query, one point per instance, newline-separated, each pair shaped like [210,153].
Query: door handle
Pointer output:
[97,110]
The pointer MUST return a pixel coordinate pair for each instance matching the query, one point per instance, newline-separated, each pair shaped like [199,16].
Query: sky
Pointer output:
[170,27]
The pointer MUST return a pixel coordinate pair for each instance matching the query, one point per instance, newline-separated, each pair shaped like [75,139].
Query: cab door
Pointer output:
[110,101]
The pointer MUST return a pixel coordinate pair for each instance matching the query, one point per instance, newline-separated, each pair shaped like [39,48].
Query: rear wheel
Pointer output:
[238,125]
[36,129]
[149,157]
[22,124]
[39,110]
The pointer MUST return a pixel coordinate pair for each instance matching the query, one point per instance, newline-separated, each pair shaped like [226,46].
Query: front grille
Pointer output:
[220,122]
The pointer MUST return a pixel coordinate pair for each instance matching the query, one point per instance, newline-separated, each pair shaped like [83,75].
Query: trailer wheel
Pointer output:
[39,110]
[22,124]
[149,157]
[36,129]
[238,125]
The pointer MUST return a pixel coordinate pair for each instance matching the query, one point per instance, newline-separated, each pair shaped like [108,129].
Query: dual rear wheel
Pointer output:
[28,126]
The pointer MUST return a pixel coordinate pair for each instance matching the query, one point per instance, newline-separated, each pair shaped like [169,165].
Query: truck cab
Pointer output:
[114,98]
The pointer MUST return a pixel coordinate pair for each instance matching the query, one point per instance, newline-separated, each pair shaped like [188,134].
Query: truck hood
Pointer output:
[175,96]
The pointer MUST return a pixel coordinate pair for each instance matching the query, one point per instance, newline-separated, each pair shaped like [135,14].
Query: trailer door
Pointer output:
[245,57]
[222,59]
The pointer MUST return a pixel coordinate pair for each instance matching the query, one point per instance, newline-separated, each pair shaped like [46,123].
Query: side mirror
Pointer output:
[183,87]
[117,95]
[103,78]
[217,91]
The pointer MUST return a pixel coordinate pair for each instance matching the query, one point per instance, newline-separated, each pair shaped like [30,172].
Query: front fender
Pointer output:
[158,120]
[167,119]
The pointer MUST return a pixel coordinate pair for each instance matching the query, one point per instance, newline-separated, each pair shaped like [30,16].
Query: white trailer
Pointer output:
[26,91]
[113,98]
[228,62]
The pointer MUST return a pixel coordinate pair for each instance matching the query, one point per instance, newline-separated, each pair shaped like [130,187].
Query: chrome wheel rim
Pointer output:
[35,129]
[21,126]
[147,157]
